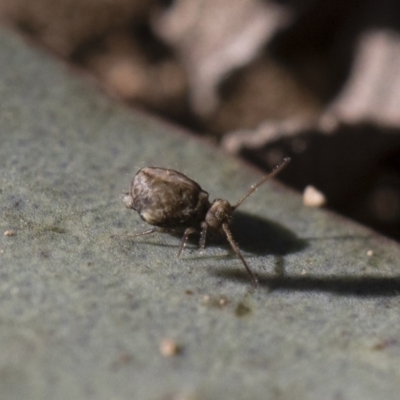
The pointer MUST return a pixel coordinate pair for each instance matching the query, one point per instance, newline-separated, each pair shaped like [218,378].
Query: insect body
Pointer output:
[172,202]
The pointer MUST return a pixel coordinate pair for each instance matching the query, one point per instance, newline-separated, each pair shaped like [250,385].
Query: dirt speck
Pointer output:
[242,310]
[169,347]
[215,301]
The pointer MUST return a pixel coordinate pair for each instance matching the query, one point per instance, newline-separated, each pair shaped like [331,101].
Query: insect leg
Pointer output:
[185,237]
[134,235]
[235,248]
[148,232]
[203,234]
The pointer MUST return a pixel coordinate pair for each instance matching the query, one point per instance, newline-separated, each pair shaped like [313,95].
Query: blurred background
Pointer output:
[315,80]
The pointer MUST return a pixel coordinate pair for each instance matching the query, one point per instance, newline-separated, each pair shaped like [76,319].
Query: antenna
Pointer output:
[253,188]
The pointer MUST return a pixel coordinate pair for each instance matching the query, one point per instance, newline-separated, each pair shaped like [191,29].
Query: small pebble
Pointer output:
[222,301]
[370,253]
[206,298]
[9,233]
[312,197]
[168,348]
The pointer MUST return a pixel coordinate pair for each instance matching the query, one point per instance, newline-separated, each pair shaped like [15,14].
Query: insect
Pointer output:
[172,202]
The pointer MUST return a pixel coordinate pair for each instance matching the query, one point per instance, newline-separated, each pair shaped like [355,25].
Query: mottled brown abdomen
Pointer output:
[168,199]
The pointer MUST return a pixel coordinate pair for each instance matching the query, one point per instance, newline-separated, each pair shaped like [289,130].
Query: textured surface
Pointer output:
[83,313]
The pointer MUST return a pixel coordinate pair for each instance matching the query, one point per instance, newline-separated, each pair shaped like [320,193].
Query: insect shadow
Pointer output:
[362,286]
[285,242]
[260,236]
[254,235]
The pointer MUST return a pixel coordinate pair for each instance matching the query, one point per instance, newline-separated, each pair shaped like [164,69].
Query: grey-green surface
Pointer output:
[82,313]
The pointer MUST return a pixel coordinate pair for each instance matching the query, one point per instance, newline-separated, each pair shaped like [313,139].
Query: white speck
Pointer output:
[312,197]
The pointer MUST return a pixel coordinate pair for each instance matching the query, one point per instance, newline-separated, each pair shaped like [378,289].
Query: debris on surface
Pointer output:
[169,348]
[312,197]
